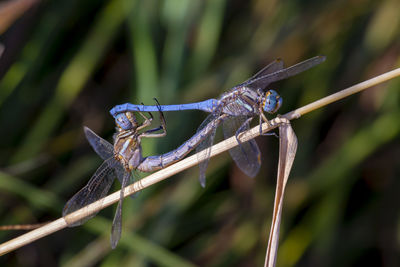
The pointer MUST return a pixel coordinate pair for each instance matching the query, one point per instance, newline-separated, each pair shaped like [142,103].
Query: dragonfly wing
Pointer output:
[97,188]
[102,147]
[117,222]
[120,172]
[204,148]
[274,66]
[134,177]
[246,155]
[264,81]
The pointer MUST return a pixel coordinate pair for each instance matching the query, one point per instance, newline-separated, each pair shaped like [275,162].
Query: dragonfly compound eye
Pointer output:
[123,121]
[272,101]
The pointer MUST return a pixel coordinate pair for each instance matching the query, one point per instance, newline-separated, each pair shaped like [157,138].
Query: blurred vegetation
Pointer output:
[66,63]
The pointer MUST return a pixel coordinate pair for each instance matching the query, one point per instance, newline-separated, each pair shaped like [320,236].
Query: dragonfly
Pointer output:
[122,159]
[241,104]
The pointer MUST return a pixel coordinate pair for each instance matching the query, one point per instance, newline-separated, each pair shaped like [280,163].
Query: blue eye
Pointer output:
[122,121]
[273,101]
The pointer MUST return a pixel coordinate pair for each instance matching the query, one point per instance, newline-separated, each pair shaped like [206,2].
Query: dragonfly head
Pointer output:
[272,101]
[126,121]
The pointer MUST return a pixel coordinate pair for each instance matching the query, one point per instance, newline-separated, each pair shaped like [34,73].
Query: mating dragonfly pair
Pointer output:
[234,109]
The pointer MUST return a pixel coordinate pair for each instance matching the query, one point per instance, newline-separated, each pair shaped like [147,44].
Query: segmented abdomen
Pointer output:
[153,163]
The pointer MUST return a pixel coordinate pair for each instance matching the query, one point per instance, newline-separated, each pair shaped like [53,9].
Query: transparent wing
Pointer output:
[264,81]
[97,188]
[247,155]
[204,148]
[117,222]
[102,147]
[274,66]
[120,172]
[105,150]
[134,177]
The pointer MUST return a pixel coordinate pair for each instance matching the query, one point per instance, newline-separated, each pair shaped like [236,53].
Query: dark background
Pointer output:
[67,62]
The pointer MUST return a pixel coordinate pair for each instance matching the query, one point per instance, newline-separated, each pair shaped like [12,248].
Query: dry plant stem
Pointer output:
[295,114]
[21,226]
[287,153]
[185,164]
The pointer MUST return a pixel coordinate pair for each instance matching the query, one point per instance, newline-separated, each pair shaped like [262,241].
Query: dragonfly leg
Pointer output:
[150,133]
[163,127]
[146,122]
[261,111]
[264,118]
[269,134]
[162,118]
[151,115]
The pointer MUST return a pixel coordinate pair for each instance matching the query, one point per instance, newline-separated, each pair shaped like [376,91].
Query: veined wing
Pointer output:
[102,147]
[117,222]
[204,148]
[97,188]
[118,169]
[274,66]
[247,155]
[132,178]
[264,81]
[106,150]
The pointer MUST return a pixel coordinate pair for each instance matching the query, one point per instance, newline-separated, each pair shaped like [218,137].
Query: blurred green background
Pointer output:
[67,62]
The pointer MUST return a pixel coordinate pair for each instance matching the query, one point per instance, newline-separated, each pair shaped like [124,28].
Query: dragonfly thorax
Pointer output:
[127,149]
[241,101]
[271,101]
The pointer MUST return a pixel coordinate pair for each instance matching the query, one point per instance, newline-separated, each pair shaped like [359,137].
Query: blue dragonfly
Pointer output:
[241,104]
[122,159]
